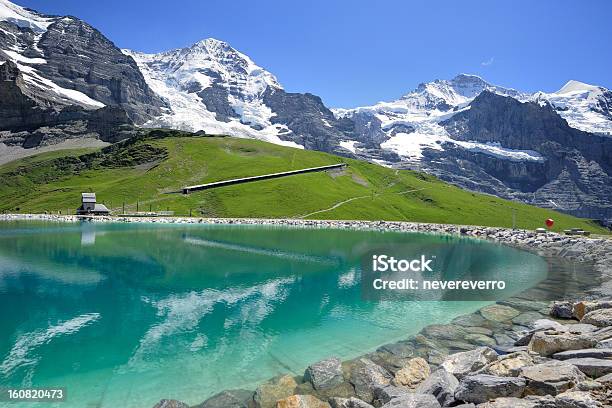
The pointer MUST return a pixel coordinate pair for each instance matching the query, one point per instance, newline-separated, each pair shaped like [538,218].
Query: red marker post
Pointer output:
[549,223]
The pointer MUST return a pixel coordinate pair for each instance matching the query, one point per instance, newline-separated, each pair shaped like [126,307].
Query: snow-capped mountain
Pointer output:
[583,106]
[212,87]
[412,123]
[63,61]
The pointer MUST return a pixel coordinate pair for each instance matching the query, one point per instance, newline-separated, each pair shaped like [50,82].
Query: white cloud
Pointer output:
[488,62]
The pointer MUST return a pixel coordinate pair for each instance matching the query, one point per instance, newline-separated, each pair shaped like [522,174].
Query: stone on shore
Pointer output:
[440,384]
[552,378]
[593,367]
[366,377]
[549,342]
[325,373]
[599,318]
[499,313]
[508,365]
[582,308]
[413,373]
[229,399]
[413,401]
[165,403]
[386,394]
[348,403]
[528,402]
[464,363]
[576,399]
[539,325]
[562,310]
[481,388]
[592,352]
[275,389]
[301,401]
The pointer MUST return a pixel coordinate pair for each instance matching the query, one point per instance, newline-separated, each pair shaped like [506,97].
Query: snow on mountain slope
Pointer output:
[583,106]
[24,18]
[412,122]
[212,87]
[23,50]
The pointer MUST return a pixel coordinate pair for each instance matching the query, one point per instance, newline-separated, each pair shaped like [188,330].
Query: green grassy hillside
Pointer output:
[151,169]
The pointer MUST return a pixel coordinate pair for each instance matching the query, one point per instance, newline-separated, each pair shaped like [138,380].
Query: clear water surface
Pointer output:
[127,314]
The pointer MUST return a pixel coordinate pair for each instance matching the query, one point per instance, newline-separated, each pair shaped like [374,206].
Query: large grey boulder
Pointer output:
[599,318]
[593,367]
[367,377]
[481,388]
[592,352]
[549,342]
[413,401]
[170,404]
[273,390]
[229,399]
[440,384]
[464,363]
[386,394]
[325,373]
[551,378]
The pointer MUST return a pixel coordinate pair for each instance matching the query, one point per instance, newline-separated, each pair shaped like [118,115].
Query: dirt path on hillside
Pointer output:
[358,198]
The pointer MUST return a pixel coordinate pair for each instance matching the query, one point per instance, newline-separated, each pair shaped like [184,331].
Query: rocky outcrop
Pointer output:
[310,121]
[575,172]
[30,118]
[80,57]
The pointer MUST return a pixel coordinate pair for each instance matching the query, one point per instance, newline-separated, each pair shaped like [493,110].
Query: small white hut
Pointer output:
[89,205]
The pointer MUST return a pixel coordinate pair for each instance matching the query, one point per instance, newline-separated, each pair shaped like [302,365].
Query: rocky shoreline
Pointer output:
[519,352]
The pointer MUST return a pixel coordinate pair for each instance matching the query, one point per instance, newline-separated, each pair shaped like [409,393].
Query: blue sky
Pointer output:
[357,52]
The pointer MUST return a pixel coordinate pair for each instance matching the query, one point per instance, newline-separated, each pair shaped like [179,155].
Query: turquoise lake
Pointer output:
[123,315]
